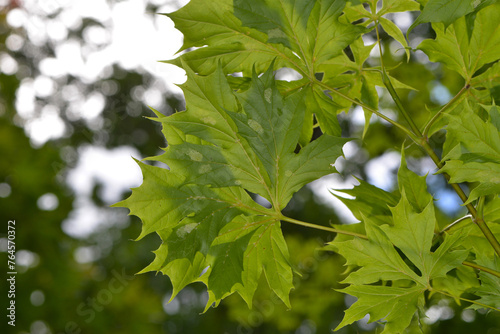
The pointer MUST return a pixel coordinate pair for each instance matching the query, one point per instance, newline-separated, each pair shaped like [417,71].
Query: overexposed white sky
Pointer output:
[114,170]
[129,36]
[132,37]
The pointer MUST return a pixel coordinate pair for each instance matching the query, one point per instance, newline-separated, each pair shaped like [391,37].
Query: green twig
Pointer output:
[373,111]
[324,228]
[456,98]
[478,267]
[459,220]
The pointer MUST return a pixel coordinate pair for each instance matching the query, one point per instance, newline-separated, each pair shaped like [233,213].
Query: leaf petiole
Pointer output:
[465,299]
[373,111]
[456,222]
[387,82]
[478,267]
[320,227]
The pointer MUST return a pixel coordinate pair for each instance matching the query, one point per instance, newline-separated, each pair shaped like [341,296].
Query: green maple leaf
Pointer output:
[476,156]
[369,201]
[388,6]
[488,286]
[487,85]
[222,146]
[254,146]
[378,259]
[492,210]
[463,47]
[475,241]
[394,6]
[374,202]
[310,29]
[237,48]
[242,34]
[393,30]
[301,35]
[447,47]
[414,186]
[358,12]
[395,305]
[463,279]
[444,11]
[489,291]
[358,80]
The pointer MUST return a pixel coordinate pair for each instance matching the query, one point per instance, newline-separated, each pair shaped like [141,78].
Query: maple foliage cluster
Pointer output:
[253,135]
